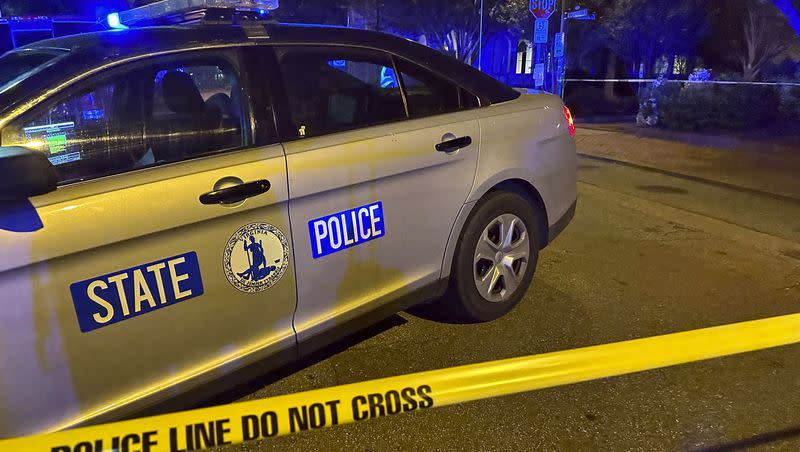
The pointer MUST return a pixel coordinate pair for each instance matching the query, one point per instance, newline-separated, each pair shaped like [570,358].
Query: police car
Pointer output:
[182,200]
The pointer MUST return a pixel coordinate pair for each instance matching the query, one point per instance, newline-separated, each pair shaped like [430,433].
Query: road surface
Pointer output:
[647,254]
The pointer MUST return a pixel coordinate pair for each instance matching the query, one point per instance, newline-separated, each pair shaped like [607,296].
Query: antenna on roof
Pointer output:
[166,12]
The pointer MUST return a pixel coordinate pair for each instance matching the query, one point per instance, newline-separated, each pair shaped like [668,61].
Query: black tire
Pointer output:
[463,301]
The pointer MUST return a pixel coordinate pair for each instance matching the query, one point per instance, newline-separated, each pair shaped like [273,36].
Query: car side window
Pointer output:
[468,100]
[427,93]
[141,117]
[336,89]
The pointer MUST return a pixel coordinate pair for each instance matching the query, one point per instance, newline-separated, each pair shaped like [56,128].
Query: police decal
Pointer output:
[256,257]
[104,300]
[343,230]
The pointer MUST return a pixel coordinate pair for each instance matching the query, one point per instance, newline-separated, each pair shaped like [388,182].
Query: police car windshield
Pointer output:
[16,65]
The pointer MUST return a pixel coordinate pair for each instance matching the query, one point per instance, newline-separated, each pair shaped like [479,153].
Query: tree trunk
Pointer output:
[611,72]
[752,37]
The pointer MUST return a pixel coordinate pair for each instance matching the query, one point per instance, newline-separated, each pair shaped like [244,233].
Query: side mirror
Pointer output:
[25,173]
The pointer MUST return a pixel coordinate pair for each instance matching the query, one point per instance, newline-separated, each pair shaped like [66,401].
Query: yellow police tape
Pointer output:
[267,418]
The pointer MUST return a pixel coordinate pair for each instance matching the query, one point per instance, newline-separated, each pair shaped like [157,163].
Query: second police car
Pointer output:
[180,201]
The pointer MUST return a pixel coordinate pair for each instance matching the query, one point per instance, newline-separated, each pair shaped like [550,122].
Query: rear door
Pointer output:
[162,260]
[372,199]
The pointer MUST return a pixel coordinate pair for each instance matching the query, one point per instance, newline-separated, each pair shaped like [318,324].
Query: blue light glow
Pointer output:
[114,22]
[388,79]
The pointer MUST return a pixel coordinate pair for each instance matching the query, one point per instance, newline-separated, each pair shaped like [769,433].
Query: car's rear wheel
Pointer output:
[495,258]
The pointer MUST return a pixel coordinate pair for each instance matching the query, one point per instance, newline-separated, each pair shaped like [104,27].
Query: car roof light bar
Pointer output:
[190,11]
[113,22]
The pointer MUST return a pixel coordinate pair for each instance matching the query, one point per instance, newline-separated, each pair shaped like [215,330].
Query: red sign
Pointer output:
[543,9]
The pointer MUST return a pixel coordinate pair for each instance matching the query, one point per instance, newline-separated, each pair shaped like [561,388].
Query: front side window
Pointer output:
[334,89]
[141,117]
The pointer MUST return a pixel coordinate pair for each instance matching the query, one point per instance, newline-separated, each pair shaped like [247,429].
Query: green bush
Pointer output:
[589,99]
[789,103]
[705,106]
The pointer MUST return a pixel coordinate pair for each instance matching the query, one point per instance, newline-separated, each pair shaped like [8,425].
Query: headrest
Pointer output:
[181,94]
[221,102]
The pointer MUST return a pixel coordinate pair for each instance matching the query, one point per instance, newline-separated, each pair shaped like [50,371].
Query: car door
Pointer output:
[372,199]
[163,258]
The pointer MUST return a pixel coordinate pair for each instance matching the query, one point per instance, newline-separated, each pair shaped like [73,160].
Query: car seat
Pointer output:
[190,127]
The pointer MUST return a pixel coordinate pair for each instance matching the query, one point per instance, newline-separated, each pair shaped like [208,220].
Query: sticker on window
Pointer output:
[122,295]
[347,229]
[57,139]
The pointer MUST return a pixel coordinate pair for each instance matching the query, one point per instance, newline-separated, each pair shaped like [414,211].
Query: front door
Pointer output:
[164,257]
[373,201]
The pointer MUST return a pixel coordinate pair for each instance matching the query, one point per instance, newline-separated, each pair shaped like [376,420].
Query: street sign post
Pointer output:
[543,9]
[558,49]
[540,30]
[577,14]
[538,74]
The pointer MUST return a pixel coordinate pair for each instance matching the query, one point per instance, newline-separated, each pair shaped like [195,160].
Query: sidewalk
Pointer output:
[766,167]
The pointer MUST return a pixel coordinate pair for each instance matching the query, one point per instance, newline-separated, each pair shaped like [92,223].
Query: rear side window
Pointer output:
[427,93]
[142,117]
[336,89]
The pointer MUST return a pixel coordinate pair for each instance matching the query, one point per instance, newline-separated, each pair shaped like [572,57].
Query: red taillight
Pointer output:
[570,121]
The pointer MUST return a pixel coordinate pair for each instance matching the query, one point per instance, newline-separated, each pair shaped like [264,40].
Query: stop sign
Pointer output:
[543,9]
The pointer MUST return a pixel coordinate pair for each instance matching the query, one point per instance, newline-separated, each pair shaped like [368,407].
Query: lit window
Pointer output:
[679,65]
[529,61]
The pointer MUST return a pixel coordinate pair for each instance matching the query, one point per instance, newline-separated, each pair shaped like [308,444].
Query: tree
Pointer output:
[449,25]
[453,26]
[764,37]
[642,31]
[331,12]
[511,13]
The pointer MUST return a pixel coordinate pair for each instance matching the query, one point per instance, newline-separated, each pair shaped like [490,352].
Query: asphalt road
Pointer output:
[647,254]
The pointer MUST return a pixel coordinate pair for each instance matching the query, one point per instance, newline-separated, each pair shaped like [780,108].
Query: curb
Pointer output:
[715,183]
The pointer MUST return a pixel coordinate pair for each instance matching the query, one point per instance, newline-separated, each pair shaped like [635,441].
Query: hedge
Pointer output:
[696,106]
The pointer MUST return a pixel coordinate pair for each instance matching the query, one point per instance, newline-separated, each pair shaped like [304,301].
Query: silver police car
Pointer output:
[179,202]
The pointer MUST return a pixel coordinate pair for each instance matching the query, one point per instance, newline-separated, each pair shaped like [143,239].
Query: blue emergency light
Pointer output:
[113,22]
[185,11]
